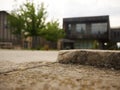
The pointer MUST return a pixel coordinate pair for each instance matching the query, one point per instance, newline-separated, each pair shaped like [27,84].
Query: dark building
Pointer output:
[7,39]
[114,42]
[115,34]
[86,32]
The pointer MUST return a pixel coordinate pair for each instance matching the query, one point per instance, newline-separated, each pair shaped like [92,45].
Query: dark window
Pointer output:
[99,28]
[81,28]
[69,27]
[115,34]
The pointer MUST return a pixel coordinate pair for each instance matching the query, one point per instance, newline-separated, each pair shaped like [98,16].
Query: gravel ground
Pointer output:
[37,75]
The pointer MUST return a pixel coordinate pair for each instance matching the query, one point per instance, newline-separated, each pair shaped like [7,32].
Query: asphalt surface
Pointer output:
[21,56]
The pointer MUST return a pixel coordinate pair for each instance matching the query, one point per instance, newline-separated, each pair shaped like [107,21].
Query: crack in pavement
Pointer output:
[26,66]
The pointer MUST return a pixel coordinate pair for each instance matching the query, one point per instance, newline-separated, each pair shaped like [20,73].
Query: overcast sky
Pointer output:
[58,9]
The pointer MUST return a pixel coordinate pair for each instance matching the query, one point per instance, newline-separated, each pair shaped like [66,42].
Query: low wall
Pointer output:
[99,58]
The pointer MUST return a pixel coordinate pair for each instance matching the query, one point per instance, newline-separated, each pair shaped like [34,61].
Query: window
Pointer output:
[83,44]
[114,34]
[99,28]
[81,28]
[69,27]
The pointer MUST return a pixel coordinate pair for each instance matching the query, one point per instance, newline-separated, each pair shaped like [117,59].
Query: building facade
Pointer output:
[7,39]
[114,42]
[86,32]
[115,35]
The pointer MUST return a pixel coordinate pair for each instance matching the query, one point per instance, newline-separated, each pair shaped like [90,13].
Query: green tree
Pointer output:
[53,32]
[15,23]
[28,19]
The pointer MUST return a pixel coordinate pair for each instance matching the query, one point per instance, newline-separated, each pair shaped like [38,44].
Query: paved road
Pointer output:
[21,56]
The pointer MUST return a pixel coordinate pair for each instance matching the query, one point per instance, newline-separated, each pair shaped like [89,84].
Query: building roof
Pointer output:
[4,12]
[117,28]
[87,19]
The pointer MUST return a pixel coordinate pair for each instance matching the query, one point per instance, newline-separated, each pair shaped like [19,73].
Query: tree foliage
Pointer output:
[28,19]
[15,23]
[31,21]
[53,32]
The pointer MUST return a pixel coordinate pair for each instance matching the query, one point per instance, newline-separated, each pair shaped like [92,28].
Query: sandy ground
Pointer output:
[37,75]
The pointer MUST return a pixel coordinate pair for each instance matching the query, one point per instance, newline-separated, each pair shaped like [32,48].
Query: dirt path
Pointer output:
[55,76]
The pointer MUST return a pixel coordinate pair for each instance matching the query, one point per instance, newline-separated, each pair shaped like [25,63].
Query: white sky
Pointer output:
[58,9]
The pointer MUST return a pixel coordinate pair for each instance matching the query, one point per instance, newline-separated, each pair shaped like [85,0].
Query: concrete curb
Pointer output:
[99,58]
